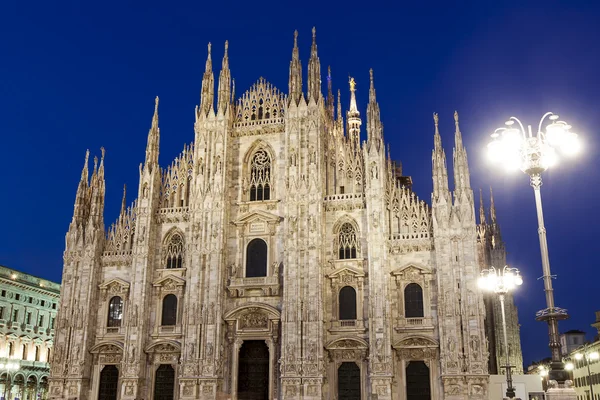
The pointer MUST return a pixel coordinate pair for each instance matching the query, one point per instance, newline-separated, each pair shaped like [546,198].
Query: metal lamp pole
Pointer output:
[501,282]
[518,148]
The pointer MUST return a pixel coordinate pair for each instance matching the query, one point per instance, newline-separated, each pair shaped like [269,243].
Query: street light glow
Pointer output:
[569,366]
[515,148]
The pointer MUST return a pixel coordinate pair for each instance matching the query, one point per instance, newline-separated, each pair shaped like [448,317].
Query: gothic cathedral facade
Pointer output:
[279,257]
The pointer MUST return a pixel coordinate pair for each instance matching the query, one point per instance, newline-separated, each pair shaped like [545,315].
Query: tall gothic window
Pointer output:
[256,258]
[24,352]
[169,310]
[413,301]
[260,176]
[347,302]
[347,242]
[174,251]
[115,312]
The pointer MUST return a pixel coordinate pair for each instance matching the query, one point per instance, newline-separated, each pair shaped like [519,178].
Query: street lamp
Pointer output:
[8,367]
[517,148]
[592,356]
[501,282]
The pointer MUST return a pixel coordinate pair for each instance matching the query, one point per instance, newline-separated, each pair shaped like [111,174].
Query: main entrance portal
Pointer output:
[164,383]
[109,383]
[253,371]
[417,381]
[348,381]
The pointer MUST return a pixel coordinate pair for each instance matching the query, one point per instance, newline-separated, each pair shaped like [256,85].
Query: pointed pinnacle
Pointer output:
[481,208]
[84,171]
[123,201]
[314,33]
[296,38]
[492,207]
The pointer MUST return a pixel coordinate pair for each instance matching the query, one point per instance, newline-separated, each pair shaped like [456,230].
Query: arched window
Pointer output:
[37,353]
[11,349]
[24,352]
[169,310]
[48,355]
[347,302]
[174,251]
[260,176]
[256,258]
[115,312]
[413,301]
[347,242]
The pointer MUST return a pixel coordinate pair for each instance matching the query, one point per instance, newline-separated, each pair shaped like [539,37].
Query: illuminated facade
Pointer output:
[279,256]
[28,307]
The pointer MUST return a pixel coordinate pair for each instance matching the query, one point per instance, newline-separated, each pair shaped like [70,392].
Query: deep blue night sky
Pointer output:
[79,75]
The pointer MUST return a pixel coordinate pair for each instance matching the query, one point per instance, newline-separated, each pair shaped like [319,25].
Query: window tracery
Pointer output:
[174,251]
[260,176]
[347,242]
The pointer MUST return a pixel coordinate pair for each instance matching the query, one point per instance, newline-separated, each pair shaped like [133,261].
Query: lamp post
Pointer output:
[501,282]
[591,356]
[8,367]
[517,148]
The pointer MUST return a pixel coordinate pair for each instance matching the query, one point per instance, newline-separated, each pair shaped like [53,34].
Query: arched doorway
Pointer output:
[164,383]
[348,381]
[253,371]
[417,381]
[109,383]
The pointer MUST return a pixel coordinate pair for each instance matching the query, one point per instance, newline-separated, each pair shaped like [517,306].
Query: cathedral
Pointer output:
[280,257]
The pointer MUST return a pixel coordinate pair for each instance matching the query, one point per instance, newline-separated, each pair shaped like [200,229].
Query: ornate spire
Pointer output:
[80,209]
[340,116]
[354,121]
[492,208]
[224,83]
[295,80]
[374,126]
[330,99]
[461,164]
[208,86]
[124,201]
[439,168]
[153,141]
[98,189]
[314,70]
[481,209]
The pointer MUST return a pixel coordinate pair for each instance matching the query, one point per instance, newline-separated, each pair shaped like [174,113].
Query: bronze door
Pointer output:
[109,383]
[164,383]
[348,381]
[253,371]
[417,381]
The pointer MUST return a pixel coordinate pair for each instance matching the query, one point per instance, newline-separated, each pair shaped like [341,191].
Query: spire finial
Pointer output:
[456,117]
[492,207]
[481,208]
[84,171]
[209,47]
[314,32]
[436,119]
[296,38]
[371,76]
[124,201]
[156,105]
[226,46]
[95,165]
[352,84]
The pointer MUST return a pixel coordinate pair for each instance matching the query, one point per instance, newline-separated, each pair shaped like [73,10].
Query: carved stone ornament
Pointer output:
[114,287]
[254,320]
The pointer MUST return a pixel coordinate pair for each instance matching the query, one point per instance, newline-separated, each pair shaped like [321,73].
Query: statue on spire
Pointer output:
[352,84]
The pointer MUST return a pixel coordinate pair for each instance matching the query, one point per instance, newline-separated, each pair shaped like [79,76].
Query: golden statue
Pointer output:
[352,84]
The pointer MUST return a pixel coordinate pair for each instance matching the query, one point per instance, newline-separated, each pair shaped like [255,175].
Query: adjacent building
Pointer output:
[28,307]
[280,257]
[586,371]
